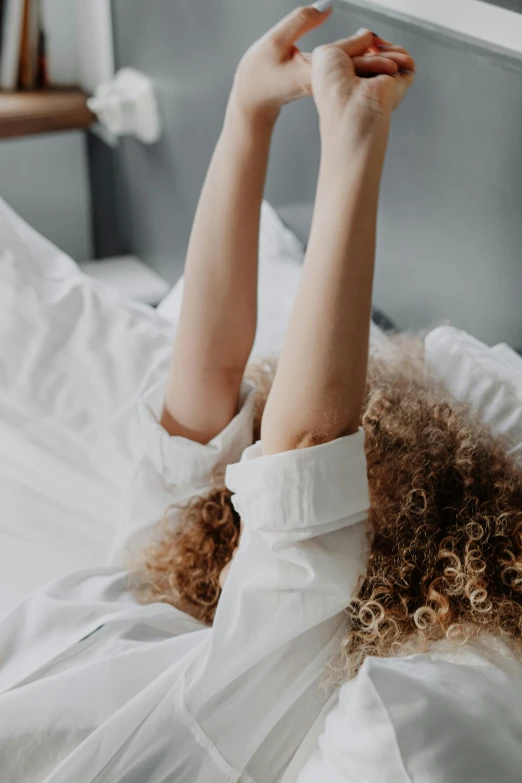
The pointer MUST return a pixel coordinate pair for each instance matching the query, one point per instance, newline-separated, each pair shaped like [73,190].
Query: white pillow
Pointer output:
[489,380]
[281,257]
[513,360]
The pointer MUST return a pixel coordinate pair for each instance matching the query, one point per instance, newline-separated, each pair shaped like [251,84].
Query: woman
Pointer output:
[95,686]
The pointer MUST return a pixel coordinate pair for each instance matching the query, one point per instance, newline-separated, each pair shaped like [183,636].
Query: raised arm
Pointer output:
[318,391]
[218,317]
[304,511]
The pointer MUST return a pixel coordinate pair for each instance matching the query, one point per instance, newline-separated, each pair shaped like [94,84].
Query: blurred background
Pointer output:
[450,228]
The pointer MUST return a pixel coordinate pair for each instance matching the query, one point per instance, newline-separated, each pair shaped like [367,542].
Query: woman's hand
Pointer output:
[338,89]
[274,71]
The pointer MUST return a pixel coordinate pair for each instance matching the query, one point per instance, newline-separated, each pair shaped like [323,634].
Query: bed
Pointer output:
[66,418]
[74,359]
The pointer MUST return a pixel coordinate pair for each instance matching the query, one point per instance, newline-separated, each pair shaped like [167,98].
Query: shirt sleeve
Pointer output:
[302,550]
[415,719]
[172,470]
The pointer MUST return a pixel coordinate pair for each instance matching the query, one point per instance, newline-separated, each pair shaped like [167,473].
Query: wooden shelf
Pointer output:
[27,113]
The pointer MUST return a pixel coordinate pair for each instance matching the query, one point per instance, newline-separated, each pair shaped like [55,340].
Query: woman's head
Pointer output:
[445,522]
[187,564]
[445,516]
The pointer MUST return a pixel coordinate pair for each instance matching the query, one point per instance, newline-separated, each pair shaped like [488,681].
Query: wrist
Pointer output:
[355,127]
[356,136]
[352,157]
[255,118]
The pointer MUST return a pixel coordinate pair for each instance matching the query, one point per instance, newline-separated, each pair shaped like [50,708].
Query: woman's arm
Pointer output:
[319,386]
[318,390]
[304,542]
[219,311]
[218,317]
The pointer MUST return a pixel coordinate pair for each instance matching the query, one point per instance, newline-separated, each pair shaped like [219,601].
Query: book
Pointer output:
[1,20]
[12,19]
[42,75]
[29,65]
[25,76]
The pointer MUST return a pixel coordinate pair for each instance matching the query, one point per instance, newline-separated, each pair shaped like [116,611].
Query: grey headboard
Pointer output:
[450,231]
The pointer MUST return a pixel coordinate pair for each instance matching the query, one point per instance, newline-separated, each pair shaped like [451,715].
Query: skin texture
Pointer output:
[356,87]
[445,499]
[218,318]
[445,560]
[329,354]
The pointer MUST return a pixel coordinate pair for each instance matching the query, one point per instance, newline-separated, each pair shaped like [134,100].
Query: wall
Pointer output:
[511,5]
[45,179]
[190,49]
[450,232]
[450,224]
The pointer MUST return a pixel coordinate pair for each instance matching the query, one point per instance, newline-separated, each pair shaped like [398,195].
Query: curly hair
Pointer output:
[183,566]
[445,523]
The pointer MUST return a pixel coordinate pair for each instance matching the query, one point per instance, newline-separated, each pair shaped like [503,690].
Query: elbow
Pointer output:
[276,440]
[287,428]
[310,438]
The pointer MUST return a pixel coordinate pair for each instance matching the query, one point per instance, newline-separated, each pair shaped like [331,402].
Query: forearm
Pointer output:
[319,387]
[218,317]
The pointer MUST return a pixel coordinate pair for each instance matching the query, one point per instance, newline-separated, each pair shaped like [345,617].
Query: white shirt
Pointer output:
[95,687]
[450,716]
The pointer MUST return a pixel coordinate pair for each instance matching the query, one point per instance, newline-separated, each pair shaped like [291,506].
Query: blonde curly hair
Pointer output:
[445,523]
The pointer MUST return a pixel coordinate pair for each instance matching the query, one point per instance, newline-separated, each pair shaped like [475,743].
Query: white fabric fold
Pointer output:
[182,461]
[436,718]
[172,470]
[487,380]
[296,490]
[126,692]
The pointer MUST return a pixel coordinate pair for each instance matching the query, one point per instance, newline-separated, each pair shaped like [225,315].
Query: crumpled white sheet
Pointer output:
[74,358]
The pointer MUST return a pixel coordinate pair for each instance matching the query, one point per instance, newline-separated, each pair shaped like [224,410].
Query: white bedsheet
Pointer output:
[73,359]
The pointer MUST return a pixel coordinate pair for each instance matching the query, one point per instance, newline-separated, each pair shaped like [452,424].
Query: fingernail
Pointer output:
[362,31]
[322,5]
[406,71]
